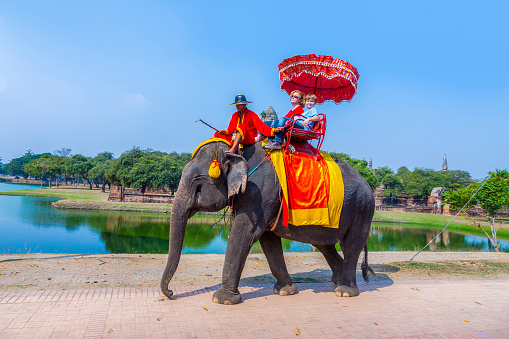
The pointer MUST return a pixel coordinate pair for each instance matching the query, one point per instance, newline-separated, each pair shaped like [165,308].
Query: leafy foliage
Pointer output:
[139,168]
[422,181]
[360,166]
[63,152]
[40,167]
[393,186]
[15,166]
[493,196]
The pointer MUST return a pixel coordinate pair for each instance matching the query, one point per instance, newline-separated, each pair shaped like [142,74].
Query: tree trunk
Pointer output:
[494,233]
[87,181]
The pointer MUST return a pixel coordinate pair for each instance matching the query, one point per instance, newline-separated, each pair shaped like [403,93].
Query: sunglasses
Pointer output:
[296,96]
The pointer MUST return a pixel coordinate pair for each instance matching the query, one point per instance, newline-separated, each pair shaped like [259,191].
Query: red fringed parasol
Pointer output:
[328,78]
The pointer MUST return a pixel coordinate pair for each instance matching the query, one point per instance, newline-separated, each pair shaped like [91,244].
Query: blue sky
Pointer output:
[99,76]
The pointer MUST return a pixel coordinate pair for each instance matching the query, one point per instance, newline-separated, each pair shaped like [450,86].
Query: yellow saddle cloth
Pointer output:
[313,189]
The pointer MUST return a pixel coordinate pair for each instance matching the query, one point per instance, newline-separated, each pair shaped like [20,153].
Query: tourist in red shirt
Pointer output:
[246,124]
[297,100]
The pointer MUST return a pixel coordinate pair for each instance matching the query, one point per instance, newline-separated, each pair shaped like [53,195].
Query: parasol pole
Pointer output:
[207,124]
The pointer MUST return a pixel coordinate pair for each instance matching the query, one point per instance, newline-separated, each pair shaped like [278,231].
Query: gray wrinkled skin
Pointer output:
[256,205]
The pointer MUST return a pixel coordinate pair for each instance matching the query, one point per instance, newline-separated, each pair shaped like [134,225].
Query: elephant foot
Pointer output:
[336,279]
[347,291]
[279,289]
[168,293]
[226,298]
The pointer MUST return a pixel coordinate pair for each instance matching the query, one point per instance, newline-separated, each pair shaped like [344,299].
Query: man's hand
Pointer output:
[278,129]
[222,131]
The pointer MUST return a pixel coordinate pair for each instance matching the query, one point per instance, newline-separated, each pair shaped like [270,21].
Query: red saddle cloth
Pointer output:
[307,177]
[312,186]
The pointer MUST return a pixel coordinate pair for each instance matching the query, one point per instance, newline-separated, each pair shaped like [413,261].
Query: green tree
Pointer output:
[144,173]
[361,166]
[382,172]
[170,170]
[78,165]
[403,173]
[141,169]
[393,186]
[102,162]
[103,156]
[118,173]
[63,152]
[15,166]
[41,167]
[422,181]
[492,196]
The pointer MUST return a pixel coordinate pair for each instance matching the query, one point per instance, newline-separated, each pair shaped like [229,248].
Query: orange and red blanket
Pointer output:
[313,190]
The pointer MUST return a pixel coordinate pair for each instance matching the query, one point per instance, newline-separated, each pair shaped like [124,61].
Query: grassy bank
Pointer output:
[82,197]
[423,220]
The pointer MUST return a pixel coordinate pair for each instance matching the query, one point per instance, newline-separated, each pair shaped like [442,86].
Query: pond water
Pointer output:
[31,225]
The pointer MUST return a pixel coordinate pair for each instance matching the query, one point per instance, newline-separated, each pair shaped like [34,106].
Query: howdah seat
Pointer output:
[300,135]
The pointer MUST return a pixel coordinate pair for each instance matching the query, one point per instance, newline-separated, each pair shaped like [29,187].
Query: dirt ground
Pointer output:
[50,271]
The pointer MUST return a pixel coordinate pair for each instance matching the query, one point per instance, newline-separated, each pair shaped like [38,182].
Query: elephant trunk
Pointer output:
[178,223]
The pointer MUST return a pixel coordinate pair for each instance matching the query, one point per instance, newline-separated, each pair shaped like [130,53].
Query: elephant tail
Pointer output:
[366,270]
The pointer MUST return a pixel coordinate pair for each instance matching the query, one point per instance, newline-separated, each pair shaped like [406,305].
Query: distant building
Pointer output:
[444,163]
[269,114]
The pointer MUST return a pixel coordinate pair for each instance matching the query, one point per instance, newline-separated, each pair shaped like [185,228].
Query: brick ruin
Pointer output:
[412,203]
[402,203]
[121,194]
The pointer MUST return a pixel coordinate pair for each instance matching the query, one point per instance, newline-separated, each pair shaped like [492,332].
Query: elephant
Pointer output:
[256,204]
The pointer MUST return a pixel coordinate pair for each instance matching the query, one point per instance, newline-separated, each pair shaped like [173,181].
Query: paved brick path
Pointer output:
[420,309]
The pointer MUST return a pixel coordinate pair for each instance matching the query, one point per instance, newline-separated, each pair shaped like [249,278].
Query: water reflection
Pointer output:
[398,237]
[30,224]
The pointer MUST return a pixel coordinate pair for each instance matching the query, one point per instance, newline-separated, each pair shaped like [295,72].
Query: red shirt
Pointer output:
[298,110]
[248,126]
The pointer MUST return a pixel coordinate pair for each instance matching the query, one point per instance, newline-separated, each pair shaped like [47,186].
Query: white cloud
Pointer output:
[135,100]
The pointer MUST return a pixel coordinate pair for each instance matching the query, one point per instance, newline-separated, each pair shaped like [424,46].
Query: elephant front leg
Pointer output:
[239,244]
[271,245]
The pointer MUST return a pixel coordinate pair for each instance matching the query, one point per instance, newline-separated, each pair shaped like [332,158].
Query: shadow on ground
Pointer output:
[317,280]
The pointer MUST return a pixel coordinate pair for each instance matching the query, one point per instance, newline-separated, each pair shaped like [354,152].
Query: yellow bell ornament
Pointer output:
[215,169]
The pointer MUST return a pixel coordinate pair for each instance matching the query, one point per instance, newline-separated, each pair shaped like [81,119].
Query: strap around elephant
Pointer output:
[208,142]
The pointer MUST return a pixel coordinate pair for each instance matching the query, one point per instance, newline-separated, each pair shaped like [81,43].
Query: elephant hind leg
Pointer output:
[334,260]
[273,250]
[352,245]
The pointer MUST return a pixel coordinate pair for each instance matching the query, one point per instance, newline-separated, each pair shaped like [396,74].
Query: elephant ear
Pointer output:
[236,174]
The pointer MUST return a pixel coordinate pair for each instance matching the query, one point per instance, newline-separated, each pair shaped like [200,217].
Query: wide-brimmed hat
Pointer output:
[241,99]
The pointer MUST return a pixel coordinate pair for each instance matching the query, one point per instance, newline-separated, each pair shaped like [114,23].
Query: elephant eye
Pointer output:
[198,189]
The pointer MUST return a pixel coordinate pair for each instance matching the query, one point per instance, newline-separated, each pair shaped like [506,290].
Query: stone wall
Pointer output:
[121,194]
[402,203]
